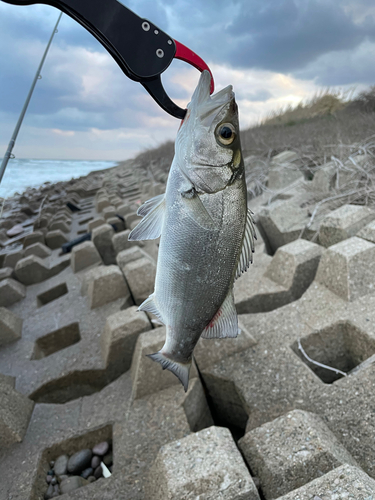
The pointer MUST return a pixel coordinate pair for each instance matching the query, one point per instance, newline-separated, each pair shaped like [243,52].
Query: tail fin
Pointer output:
[181,370]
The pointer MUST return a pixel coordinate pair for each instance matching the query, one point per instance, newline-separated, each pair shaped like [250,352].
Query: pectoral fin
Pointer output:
[149,205]
[196,210]
[225,322]
[246,257]
[151,225]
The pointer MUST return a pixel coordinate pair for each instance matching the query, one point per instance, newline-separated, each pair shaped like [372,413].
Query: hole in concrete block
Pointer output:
[85,221]
[82,231]
[71,386]
[69,447]
[226,407]
[57,340]
[52,294]
[342,346]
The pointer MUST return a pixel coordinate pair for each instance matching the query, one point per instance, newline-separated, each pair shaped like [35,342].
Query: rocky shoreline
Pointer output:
[284,411]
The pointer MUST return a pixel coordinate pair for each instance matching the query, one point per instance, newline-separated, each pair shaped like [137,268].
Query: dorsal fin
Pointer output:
[224,323]
[151,225]
[248,247]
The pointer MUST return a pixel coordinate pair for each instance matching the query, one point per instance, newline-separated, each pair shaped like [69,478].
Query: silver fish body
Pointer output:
[207,233]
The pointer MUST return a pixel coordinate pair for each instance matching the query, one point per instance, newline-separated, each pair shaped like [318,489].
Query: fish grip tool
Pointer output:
[141,49]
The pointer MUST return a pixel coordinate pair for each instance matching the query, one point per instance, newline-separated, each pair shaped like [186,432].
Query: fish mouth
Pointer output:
[203,104]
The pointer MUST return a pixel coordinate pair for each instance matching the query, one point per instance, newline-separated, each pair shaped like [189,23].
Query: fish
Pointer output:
[206,230]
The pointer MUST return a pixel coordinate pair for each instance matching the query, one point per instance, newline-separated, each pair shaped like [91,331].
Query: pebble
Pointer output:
[98,472]
[54,481]
[101,448]
[52,464]
[49,493]
[108,459]
[61,465]
[79,461]
[95,462]
[87,472]
[62,477]
[72,483]
[48,479]
[51,473]
[56,490]
[91,479]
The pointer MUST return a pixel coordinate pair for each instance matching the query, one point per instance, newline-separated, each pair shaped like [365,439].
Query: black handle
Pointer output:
[141,49]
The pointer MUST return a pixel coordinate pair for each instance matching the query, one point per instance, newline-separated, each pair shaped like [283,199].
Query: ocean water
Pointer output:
[22,173]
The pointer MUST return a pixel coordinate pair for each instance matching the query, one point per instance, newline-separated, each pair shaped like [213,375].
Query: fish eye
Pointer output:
[225,133]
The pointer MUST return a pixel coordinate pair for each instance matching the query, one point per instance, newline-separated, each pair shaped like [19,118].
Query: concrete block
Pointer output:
[12,258]
[124,209]
[345,482]
[343,223]
[15,413]
[284,220]
[368,232]
[291,451]
[5,272]
[148,376]
[31,270]
[11,292]
[59,224]
[56,238]
[102,239]
[39,250]
[107,284]
[140,276]
[116,223]
[8,379]
[205,465]
[102,203]
[294,266]
[10,326]
[282,175]
[99,221]
[119,337]
[120,241]
[35,237]
[84,255]
[129,218]
[108,212]
[324,178]
[348,268]
[130,255]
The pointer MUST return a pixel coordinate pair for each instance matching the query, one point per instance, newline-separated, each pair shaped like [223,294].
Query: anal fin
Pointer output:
[149,306]
[225,322]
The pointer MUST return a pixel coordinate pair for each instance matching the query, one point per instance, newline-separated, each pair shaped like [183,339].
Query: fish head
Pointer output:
[208,148]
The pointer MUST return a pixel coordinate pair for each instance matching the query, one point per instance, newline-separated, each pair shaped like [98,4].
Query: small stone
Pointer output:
[72,483]
[108,459]
[101,448]
[95,461]
[51,472]
[56,491]
[48,479]
[87,472]
[98,472]
[62,477]
[49,493]
[52,464]
[79,461]
[91,479]
[54,480]
[61,465]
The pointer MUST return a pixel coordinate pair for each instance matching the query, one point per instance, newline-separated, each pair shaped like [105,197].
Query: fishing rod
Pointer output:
[37,77]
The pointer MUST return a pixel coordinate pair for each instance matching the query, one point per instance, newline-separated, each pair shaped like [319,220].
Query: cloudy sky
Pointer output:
[273,52]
